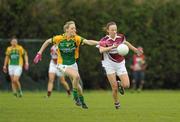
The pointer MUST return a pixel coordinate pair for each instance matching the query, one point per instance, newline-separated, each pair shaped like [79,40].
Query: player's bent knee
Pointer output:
[115,88]
[51,80]
[62,81]
[77,77]
[15,80]
[126,85]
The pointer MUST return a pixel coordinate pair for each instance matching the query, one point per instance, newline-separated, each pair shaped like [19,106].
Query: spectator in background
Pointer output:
[13,63]
[138,69]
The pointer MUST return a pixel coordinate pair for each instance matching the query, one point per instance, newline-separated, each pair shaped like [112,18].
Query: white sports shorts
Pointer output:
[62,67]
[113,67]
[53,69]
[15,70]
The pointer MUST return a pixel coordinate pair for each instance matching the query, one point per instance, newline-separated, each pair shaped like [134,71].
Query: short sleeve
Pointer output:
[22,51]
[124,39]
[7,51]
[79,40]
[102,43]
[57,39]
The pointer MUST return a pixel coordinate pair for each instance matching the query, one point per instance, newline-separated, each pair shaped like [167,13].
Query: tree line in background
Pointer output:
[153,24]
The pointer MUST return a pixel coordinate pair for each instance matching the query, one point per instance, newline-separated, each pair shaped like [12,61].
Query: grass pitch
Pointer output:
[147,106]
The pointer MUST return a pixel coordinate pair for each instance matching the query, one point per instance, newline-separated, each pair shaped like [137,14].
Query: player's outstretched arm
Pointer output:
[130,46]
[43,47]
[105,49]
[90,42]
[139,52]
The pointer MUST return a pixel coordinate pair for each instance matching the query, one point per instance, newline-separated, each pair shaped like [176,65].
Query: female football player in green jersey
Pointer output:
[68,50]
[14,60]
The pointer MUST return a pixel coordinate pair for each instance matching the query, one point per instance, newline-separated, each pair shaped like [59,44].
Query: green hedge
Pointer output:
[153,24]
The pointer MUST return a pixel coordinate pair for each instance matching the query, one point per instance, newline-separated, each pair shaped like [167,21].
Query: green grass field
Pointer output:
[147,106]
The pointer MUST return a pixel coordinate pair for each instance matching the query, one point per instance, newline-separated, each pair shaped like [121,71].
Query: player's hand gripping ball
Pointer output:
[122,49]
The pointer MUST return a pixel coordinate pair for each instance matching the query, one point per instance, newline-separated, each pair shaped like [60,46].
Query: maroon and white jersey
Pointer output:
[113,55]
[54,54]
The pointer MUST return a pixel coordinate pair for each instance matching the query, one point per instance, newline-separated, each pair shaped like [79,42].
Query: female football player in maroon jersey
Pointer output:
[114,63]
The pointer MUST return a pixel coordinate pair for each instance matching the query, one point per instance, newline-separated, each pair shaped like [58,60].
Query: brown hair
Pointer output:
[66,26]
[107,25]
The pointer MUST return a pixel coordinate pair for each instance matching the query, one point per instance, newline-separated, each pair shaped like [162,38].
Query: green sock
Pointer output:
[81,98]
[20,92]
[75,94]
[15,94]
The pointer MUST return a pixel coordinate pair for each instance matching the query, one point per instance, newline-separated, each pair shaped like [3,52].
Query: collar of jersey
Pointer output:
[15,46]
[65,37]
[116,36]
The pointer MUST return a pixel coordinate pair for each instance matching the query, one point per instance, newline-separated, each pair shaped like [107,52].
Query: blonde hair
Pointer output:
[66,26]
